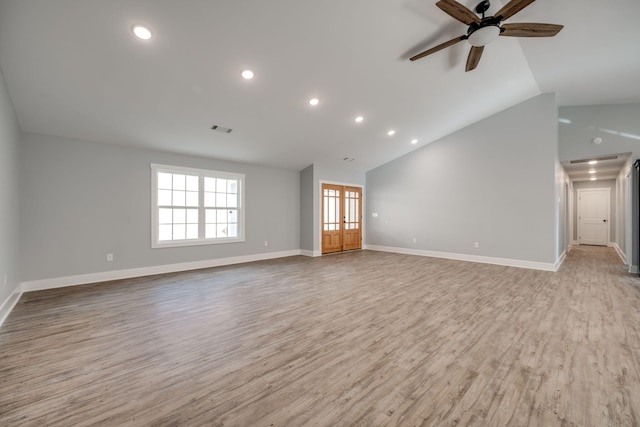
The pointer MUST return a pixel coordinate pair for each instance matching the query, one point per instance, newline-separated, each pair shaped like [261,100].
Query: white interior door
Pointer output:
[593,216]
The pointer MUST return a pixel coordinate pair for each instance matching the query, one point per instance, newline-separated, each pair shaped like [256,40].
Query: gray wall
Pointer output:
[82,200]
[9,202]
[562,209]
[492,182]
[306,209]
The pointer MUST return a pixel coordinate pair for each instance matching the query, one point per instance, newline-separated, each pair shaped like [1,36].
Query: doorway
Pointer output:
[593,216]
[341,218]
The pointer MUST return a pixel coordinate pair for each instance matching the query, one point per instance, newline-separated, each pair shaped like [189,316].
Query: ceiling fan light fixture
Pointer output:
[484,35]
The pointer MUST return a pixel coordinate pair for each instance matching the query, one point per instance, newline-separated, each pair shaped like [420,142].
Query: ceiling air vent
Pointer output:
[221,129]
[600,159]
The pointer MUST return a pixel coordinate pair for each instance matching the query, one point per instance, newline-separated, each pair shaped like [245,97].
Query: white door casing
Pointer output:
[593,216]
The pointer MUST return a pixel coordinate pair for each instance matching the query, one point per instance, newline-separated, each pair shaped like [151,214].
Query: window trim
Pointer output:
[201,173]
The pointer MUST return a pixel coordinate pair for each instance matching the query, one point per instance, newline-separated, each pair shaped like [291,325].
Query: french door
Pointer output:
[341,218]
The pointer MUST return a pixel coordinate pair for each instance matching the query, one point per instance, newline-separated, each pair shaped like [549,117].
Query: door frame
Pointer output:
[320,213]
[600,189]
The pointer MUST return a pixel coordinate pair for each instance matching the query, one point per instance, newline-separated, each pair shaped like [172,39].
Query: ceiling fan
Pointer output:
[483,31]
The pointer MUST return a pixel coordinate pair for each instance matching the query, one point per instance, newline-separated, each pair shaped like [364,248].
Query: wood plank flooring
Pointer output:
[363,338]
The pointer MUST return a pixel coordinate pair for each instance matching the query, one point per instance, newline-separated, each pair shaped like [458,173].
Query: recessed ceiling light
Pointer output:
[414,141]
[314,101]
[359,119]
[593,162]
[593,178]
[592,171]
[141,32]
[391,132]
[247,74]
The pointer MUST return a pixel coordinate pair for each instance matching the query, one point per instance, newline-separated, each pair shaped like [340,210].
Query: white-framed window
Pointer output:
[195,206]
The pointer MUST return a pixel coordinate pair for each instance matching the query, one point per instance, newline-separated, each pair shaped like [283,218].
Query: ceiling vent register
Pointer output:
[221,129]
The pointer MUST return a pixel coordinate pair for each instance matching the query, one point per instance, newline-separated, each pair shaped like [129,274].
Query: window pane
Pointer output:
[221,200]
[164,197]
[192,216]
[209,199]
[233,216]
[209,184]
[192,183]
[192,231]
[210,216]
[232,200]
[233,230]
[179,231]
[179,216]
[210,231]
[164,180]
[221,230]
[179,182]
[165,216]
[179,198]
[164,232]
[221,216]
[232,186]
[221,185]
[192,198]
[352,210]
[332,210]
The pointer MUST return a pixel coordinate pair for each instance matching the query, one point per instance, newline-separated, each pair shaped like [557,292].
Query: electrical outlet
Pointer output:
[415,240]
[266,243]
[477,245]
[109,257]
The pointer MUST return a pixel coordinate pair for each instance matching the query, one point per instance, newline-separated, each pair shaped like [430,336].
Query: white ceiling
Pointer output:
[74,69]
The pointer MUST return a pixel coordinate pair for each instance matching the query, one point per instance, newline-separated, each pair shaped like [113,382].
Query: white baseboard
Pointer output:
[621,254]
[83,279]
[310,253]
[9,303]
[465,257]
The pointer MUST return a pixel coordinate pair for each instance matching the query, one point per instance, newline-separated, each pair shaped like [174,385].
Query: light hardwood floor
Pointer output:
[362,338]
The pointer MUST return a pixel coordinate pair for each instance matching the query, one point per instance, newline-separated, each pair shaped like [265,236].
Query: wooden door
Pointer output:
[352,229]
[331,218]
[593,216]
[341,218]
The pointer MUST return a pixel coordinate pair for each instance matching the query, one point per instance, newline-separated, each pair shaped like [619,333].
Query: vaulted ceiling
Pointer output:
[73,68]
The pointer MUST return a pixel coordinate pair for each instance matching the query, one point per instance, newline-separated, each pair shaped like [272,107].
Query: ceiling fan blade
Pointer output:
[530,29]
[511,8]
[437,48]
[474,57]
[458,11]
